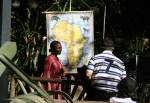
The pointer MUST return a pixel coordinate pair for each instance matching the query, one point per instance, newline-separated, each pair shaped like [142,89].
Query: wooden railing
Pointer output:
[70,85]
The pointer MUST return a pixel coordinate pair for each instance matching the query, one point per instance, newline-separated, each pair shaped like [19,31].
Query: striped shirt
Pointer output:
[107,71]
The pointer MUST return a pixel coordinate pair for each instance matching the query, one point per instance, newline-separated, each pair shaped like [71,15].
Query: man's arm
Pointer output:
[90,68]
[89,74]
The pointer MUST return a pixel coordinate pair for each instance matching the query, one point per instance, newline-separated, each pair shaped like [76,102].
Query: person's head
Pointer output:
[126,87]
[108,44]
[55,47]
[146,42]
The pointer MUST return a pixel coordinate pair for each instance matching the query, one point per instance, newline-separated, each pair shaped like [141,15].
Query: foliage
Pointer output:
[126,23]
[6,47]
[26,33]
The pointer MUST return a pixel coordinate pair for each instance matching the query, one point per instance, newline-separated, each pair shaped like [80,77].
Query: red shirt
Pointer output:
[52,67]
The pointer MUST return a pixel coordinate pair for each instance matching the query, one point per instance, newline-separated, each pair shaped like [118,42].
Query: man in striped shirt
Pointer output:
[105,71]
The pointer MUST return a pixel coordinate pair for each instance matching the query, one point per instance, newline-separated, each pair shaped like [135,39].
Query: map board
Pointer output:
[74,29]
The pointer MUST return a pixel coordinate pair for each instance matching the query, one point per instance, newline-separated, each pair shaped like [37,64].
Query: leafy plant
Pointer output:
[26,34]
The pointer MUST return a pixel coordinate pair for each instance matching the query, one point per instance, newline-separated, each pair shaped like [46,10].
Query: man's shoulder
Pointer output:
[109,56]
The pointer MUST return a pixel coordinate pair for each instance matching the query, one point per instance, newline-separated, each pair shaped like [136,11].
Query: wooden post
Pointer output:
[104,22]
[70,5]
[5,25]
[12,86]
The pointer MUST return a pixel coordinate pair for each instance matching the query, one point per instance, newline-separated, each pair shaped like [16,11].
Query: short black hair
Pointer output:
[53,44]
[108,42]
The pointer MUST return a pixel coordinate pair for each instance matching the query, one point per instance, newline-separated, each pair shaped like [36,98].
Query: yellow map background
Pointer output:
[71,34]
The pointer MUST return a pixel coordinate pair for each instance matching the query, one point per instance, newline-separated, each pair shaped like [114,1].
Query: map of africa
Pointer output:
[75,32]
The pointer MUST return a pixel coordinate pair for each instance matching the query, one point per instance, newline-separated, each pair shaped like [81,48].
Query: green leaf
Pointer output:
[9,49]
